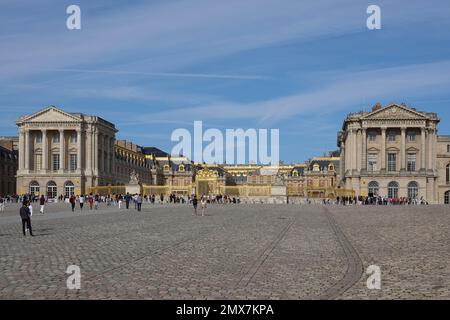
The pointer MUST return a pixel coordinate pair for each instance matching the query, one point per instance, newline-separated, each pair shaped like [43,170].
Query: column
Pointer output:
[358,148]
[342,164]
[27,149]
[95,149]
[61,150]
[403,150]
[422,150]
[88,147]
[354,150]
[22,150]
[430,149]
[79,146]
[44,151]
[113,155]
[383,148]
[364,150]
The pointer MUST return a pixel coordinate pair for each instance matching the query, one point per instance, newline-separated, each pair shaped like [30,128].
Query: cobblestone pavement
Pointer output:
[234,252]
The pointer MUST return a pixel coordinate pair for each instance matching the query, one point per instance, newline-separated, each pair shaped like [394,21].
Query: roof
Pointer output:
[154,151]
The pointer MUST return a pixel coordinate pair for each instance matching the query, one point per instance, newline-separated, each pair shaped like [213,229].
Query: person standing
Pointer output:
[2,204]
[194,203]
[72,201]
[139,202]
[81,202]
[25,215]
[42,204]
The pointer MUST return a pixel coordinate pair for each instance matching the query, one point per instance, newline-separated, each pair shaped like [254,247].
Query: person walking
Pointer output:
[2,204]
[139,202]
[25,215]
[203,203]
[81,202]
[42,204]
[73,201]
[194,203]
[96,201]
[91,202]
[120,202]
[127,200]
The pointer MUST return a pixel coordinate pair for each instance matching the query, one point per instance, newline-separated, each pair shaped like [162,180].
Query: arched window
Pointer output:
[295,173]
[413,190]
[52,190]
[447,197]
[447,173]
[393,189]
[34,188]
[166,167]
[69,189]
[181,168]
[373,188]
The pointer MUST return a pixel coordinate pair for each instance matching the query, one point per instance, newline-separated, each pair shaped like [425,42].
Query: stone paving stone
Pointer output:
[234,252]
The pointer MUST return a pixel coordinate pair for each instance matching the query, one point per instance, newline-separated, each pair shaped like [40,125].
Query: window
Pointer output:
[413,190]
[411,164]
[393,189]
[34,188]
[448,148]
[391,136]
[52,190]
[372,159]
[373,188]
[447,197]
[39,137]
[73,137]
[69,189]
[55,161]
[447,173]
[38,162]
[372,136]
[411,136]
[55,138]
[392,162]
[73,162]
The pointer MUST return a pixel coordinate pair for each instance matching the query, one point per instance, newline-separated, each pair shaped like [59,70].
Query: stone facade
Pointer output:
[393,151]
[62,153]
[131,157]
[8,166]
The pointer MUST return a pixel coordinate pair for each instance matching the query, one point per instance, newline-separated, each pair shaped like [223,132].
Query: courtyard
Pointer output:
[240,251]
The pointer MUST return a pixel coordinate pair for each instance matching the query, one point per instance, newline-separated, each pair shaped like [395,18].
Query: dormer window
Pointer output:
[181,168]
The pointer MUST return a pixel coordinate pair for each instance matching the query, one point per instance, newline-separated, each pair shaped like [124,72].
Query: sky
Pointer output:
[152,67]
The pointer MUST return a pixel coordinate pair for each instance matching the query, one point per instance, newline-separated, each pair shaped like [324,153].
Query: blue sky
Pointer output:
[154,66]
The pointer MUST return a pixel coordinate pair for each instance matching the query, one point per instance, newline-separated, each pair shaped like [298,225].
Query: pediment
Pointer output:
[50,114]
[394,111]
[373,149]
[412,149]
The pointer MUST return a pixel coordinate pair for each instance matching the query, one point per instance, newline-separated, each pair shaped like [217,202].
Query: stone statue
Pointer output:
[279,179]
[134,178]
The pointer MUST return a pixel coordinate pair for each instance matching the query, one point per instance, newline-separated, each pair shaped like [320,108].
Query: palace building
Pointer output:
[8,165]
[395,151]
[392,151]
